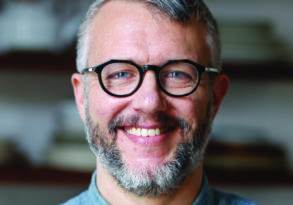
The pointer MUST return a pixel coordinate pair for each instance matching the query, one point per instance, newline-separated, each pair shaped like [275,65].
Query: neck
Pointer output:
[114,194]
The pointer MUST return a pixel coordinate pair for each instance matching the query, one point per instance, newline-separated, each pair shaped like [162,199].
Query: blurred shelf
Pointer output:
[42,176]
[250,178]
[259,70]
[43,61]
[64,62]
[50,176]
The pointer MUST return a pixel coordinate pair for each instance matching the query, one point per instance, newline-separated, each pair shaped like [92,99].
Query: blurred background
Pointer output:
[44,158]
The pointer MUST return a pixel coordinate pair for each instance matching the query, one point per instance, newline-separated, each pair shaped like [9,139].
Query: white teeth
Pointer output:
[158,131]
[142,132]
[151,132]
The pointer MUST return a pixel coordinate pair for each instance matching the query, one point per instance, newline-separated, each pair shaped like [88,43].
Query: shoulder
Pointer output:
[224,198]
[81,199]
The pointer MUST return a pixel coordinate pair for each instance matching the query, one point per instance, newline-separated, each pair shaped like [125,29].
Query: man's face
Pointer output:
[176,129]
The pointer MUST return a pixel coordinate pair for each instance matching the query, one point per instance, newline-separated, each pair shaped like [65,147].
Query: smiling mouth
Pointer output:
[143,132]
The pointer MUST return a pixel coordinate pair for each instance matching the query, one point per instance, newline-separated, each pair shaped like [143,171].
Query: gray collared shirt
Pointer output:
[207,196]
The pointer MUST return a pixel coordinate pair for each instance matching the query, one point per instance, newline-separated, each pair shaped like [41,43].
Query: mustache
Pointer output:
[163,119]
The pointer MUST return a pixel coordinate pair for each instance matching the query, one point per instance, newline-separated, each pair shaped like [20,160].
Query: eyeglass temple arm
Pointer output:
[86,70]
[213,70]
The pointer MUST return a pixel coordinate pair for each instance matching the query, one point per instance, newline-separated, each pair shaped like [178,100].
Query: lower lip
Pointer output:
[153,141]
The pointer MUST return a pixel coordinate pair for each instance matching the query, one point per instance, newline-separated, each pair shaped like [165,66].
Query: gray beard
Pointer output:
[164,179]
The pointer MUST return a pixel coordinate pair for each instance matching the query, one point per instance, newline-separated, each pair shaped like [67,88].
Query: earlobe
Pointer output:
[78,89]
[220,88]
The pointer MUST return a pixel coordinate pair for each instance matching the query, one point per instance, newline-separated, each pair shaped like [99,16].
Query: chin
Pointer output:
[148,164]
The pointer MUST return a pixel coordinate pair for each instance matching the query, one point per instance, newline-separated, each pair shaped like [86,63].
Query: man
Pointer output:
[148,88]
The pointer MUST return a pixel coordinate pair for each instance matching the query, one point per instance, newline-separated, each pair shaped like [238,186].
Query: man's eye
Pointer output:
[178,75]
[119,75]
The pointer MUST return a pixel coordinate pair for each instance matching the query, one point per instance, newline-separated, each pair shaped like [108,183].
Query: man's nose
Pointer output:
[149,98]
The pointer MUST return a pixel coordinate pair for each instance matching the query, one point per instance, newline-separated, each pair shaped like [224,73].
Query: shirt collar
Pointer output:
[202,197]
[94,193]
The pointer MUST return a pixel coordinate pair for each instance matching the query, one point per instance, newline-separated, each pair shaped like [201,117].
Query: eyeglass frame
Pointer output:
[144,68]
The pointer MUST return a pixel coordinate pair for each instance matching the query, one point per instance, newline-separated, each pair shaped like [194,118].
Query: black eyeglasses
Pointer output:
[122,78]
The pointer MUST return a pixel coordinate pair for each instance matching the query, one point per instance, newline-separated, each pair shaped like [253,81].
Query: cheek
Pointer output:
[102,107]
[192,108]
[187,110]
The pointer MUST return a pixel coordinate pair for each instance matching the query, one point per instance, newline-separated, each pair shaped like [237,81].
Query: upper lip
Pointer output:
[145,126]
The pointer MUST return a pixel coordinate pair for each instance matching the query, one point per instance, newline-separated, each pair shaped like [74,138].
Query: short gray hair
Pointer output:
[179,10]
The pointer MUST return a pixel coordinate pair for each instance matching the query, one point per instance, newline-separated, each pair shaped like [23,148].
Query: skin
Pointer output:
[128,30]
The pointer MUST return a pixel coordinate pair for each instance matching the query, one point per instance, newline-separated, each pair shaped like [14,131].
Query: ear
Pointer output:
[220,88]
[78,89]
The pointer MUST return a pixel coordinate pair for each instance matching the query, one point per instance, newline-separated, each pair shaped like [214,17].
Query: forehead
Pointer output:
[130,30]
